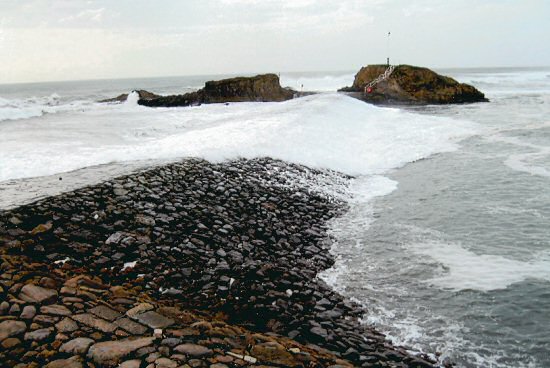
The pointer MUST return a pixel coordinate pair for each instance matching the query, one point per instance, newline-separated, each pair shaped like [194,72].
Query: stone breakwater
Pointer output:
[190,264]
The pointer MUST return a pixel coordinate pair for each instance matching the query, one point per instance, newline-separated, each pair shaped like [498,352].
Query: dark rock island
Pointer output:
[410,85]
[260,88]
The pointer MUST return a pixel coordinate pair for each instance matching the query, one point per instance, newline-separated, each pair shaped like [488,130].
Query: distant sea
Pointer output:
[447,240]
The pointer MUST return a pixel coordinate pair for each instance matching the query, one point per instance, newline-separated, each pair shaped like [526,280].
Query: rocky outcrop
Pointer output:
[261,88]
[411,85]
[143,95]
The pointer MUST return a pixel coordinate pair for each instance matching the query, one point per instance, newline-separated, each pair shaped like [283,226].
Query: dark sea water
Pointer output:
[447,240]
[456,259]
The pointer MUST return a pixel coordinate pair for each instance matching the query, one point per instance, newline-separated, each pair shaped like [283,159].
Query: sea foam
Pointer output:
[329,131]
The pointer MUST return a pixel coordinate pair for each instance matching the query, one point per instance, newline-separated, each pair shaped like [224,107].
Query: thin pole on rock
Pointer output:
[388,49]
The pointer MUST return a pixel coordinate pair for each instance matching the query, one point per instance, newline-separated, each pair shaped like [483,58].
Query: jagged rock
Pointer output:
[36,294]
[111,352]
[411,85]
[262,88]
[11,328]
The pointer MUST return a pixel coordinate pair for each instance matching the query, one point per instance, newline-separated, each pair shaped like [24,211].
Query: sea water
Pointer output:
[447,239]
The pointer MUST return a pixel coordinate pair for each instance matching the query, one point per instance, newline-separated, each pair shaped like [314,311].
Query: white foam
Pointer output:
[322,131]
[132,99]
[129,265]
[17,109]
[526,162]
[464,269]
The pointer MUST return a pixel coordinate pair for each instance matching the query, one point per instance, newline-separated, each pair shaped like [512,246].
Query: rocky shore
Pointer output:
[191,264]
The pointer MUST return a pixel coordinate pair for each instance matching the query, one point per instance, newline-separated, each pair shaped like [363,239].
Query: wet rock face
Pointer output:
[412,85]
[261,88]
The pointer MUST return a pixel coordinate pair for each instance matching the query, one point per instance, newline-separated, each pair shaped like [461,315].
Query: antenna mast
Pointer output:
[388,49]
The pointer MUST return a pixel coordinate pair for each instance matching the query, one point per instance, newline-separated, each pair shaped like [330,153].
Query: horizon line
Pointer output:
[259,73]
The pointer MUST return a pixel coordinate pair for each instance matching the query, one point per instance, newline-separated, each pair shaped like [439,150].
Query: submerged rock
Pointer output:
[411,85]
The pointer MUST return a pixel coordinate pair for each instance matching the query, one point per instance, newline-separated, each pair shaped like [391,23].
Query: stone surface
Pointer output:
[134,363]
[11,328]
[138,309]
[165,363]
[36,294]
[94,322]
[39,335]
[79,345]
[105,313]
[56,310]
[154,320]
[130,326]
[412,85]
[29,311]
[193,350]
[111,352]
[66,325]
[274,354]
[73,362]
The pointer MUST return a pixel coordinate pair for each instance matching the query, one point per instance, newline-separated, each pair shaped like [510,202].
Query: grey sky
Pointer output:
[71,39]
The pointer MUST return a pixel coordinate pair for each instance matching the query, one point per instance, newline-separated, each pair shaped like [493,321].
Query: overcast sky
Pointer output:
[43,40]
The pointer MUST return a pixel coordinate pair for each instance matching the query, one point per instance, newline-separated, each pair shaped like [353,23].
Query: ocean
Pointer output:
[446,242]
